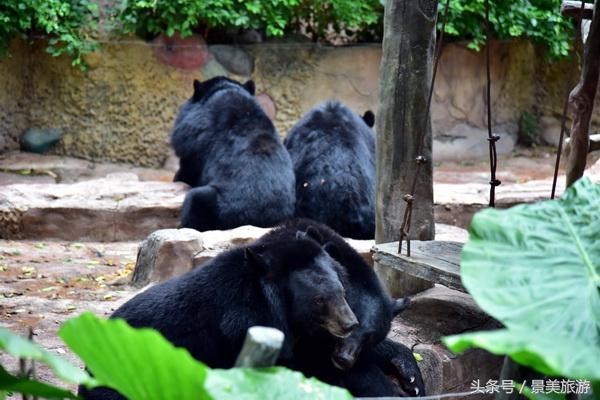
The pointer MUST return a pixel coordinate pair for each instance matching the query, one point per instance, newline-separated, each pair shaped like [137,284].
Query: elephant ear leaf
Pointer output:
[536,269]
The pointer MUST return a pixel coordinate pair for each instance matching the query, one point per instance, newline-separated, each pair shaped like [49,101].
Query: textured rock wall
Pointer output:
[13,89]
[123,108]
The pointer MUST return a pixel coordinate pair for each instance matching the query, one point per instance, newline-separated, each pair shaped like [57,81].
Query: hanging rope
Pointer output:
[492,139]
[569,85]
[420,160]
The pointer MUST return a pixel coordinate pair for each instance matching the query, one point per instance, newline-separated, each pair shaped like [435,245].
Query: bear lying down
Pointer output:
[287,280]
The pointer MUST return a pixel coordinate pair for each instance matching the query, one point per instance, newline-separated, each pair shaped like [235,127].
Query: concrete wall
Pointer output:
[123,108]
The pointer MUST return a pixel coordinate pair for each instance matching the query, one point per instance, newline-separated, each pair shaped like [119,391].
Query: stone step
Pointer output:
[121,207]
[23,167]
[116,208]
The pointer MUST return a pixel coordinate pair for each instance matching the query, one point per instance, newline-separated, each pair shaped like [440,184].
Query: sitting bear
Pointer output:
[333,152]
[355,362]
[230,153]
[284,280]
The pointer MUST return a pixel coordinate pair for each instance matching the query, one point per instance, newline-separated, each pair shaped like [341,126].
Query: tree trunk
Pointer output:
[582,102]
[405,76]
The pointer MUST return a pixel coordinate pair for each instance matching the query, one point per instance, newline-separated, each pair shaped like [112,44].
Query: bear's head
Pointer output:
[309,282]
[374,326]
[204,90]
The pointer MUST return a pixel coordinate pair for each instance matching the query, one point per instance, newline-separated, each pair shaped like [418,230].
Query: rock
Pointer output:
[68,169]
[93,59]
[216,242]
[550,130]
[213,68]
[234,59]
[439,312]
[164,254]
[172,162]
[40,140]
[115,208]
[186,53]
[467,142]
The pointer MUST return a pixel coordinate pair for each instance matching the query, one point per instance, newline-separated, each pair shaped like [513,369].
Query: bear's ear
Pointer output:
[369,118]
[250,87]
[198,90]
[400,305]
[255,260]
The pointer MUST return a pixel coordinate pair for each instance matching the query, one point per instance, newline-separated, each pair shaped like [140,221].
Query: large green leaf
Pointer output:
[10,383]
[17,346]
[536,268]
[275,383]
[139,363]
[547,352]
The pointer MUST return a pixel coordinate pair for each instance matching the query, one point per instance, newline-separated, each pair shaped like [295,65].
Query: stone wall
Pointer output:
[123,108]
[14,91]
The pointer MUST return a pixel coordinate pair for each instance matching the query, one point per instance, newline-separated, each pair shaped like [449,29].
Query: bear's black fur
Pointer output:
[365,294]
[230,153]
[333,153]
[284,280]
[386,370]
[365,363]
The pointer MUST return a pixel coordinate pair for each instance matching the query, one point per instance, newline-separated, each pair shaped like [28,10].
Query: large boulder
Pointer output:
[166,253]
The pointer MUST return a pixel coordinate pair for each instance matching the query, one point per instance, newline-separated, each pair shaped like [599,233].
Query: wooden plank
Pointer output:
[434,261]
[594,144]
[570,8]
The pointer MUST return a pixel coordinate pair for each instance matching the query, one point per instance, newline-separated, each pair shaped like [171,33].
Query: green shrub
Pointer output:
[67,24]
[275,17]
[538,20]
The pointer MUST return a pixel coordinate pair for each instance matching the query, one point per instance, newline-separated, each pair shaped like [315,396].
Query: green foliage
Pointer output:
[68,24]
[528,130]
[275,17]
[9,383]
[147,364]
[22,348]
[538,20]
[536,268]
[141,364]
[269,384]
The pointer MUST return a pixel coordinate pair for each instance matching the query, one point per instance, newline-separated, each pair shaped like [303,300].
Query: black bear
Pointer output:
[360,362]
[365,294]
[284,280]
[333,153]
[230,153]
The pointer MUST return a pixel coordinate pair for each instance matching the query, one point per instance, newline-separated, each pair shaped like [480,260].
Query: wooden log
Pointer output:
[405,76]
[261,347]
[581,101]
[433,261]
[571,8]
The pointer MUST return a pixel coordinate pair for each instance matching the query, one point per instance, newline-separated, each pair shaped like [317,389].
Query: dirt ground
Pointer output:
[44,283]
